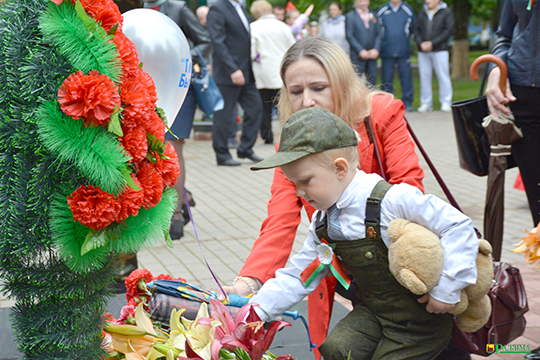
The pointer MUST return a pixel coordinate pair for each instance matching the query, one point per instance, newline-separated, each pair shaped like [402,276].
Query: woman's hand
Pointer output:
[240,288]
[495,98]
[435,306]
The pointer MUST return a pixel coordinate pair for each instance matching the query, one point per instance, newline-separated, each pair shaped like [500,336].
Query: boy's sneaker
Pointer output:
[446,107]
[425,108]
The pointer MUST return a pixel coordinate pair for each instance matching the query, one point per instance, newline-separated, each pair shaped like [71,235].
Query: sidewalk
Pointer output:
[231,206]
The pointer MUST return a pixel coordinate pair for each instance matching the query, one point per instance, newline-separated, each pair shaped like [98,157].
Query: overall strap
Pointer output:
[373,209]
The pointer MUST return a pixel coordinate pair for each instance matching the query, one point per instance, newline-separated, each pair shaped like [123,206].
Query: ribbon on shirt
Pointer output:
[326,257]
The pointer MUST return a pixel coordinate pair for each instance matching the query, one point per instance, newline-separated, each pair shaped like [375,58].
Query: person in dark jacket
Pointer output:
[433,28]
[229,30]
[180,13]
[518,44]
[397,20]
[365,38]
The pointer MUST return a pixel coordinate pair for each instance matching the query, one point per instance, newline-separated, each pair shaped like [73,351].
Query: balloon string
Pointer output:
[198,242]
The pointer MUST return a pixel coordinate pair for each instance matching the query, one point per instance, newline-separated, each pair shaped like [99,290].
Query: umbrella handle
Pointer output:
[473,71]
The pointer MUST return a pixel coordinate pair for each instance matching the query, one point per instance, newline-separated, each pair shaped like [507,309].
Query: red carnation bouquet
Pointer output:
[97,100]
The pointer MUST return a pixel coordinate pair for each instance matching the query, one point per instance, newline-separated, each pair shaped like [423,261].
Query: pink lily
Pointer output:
[250,335]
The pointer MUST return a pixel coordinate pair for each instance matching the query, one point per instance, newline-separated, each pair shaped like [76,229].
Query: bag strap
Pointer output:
[369,130]
[203,63]
[441,182]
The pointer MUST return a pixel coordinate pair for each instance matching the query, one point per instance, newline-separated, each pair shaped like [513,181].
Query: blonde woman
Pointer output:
[317,72]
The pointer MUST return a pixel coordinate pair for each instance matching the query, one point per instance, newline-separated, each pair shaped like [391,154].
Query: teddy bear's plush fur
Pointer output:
[416,260]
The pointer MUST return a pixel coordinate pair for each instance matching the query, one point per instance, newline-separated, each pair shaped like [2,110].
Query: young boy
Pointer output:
[318,153]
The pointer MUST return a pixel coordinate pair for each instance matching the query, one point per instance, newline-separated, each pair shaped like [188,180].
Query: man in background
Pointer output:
[433,28]
[397,21]
[202,13]
[229,30]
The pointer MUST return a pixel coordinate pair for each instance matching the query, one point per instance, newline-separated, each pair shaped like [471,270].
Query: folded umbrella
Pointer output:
[502,132]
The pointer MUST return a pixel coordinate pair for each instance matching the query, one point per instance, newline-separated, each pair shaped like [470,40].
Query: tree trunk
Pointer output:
[460,49]
[460,59]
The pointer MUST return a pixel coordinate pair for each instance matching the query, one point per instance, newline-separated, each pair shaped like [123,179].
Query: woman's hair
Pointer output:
[260,8]
[352,94]
[326,158]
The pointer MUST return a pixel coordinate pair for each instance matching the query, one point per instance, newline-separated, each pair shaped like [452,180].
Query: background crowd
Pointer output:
[244,49]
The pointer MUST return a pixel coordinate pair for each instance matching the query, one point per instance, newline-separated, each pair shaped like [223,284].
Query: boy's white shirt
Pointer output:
[458,239]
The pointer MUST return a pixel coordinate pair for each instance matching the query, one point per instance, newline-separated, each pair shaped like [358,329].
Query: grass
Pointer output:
[463,88]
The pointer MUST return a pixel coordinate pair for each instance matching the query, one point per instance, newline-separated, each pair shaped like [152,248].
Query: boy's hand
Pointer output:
[435,306]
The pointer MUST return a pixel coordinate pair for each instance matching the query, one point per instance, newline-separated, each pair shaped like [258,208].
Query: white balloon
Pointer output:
[164,51]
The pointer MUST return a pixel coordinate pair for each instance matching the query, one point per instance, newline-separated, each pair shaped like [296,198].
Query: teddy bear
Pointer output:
[415,259]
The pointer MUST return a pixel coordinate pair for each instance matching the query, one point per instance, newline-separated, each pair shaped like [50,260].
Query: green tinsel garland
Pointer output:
[86,50]
[145,229]
[93,151]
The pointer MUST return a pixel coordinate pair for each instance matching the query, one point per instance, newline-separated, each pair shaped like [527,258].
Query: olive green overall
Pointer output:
[392,324]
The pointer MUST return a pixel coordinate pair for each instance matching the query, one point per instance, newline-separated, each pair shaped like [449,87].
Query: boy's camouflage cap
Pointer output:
[306,132]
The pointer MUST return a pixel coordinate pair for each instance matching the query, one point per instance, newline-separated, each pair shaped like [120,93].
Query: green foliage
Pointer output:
[156,148]
[484,10]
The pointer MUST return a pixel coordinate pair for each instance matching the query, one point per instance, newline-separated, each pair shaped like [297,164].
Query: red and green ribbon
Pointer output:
[315,268]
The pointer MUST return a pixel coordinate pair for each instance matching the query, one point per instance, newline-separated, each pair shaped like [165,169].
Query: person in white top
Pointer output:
[270,39]
[318,154]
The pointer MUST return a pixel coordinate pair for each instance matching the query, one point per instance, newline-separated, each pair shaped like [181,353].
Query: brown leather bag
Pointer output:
[507,321]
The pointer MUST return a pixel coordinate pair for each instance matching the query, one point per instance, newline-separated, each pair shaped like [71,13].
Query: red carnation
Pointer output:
[136,282]
[148,84]
[105,12]
[128,53]
[134,141]
[168,277]
[168,168]
[93,207]
[155,126]
[138,100]
[130,201]
[152,185]
[92,97]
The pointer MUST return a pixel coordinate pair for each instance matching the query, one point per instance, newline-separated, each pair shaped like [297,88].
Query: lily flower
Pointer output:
[530,246]
[249,334]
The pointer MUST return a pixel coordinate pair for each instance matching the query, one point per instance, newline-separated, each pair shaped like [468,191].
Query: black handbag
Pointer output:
[472,140]
[208,96]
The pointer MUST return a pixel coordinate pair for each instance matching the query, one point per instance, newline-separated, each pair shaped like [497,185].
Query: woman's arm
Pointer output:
[396,147]
[272,249]
[496,99]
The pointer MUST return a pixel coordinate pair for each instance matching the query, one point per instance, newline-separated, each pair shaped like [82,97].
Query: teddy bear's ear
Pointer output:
[396,228]
[484,247]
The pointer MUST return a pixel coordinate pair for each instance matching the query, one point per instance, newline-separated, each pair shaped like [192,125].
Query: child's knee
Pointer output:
[346,346]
